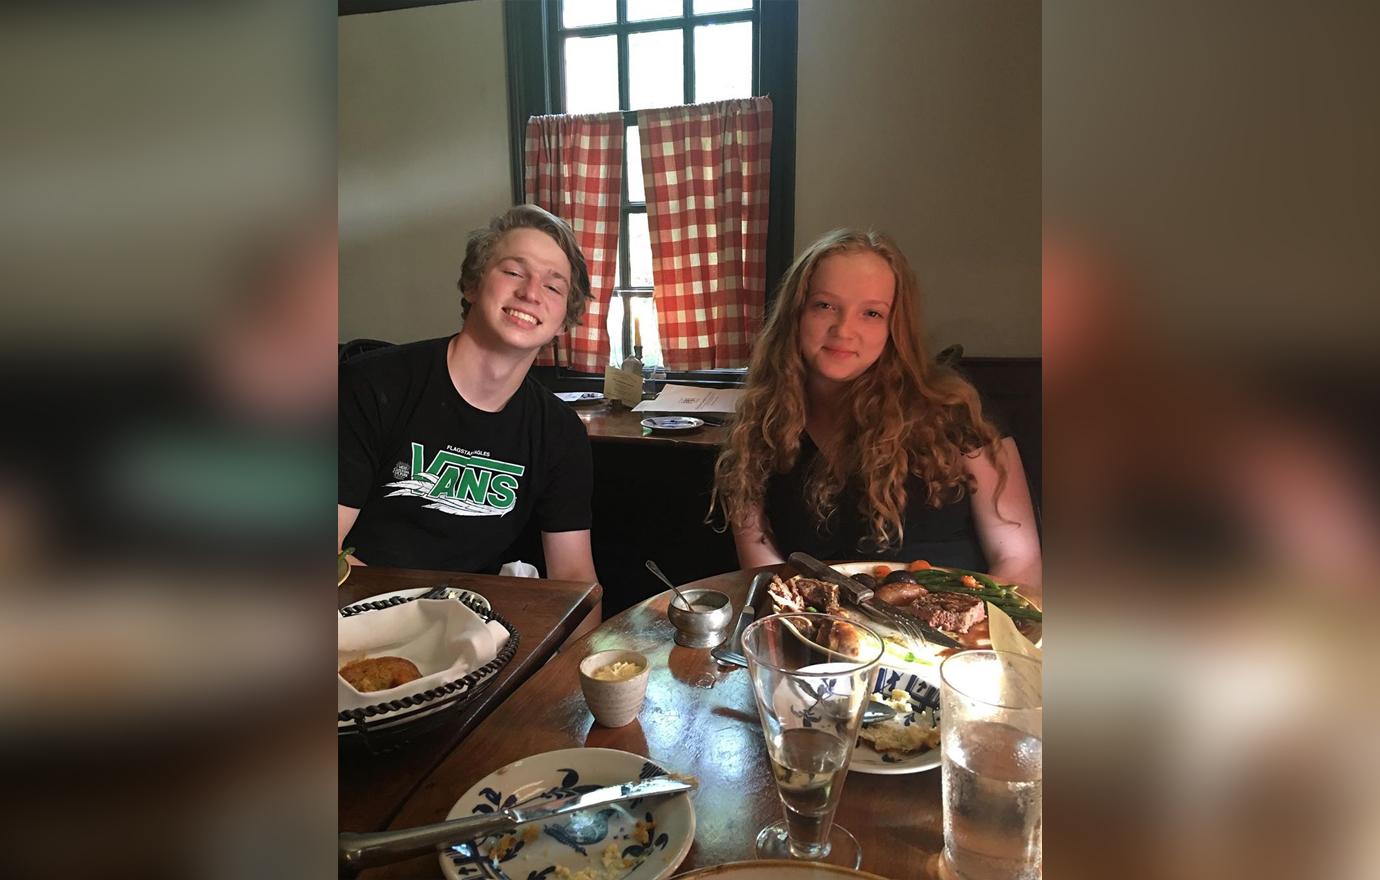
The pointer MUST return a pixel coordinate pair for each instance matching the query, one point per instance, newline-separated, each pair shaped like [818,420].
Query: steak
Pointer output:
[952,612]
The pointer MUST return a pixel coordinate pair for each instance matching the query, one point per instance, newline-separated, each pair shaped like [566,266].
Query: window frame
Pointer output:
[535,41]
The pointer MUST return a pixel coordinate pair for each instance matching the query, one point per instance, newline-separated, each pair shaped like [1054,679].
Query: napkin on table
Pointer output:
[1023,685]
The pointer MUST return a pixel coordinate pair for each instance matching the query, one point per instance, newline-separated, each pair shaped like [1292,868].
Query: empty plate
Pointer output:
[581,398]
[641,840]
[673,424]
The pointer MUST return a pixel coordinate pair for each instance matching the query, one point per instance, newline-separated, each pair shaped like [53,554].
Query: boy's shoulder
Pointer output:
[396,360]
[555,411]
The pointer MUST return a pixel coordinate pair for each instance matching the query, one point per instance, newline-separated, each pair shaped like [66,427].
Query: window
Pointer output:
[597,56]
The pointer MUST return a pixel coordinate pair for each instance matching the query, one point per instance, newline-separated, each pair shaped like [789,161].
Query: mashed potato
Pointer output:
[895,738]
[619,670]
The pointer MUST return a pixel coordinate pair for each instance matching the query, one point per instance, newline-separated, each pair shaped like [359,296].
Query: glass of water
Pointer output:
[991,742]
[812,676]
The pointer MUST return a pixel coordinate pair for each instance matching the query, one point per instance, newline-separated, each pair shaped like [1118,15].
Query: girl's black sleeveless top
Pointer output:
[945,535]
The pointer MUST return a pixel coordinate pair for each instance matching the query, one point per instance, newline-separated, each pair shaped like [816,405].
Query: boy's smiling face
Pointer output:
[522,296]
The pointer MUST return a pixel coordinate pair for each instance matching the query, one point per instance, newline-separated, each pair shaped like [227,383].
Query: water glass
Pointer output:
[812,676]
[991,741]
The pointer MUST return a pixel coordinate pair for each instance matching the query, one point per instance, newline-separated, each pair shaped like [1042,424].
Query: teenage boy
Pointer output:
[447,448]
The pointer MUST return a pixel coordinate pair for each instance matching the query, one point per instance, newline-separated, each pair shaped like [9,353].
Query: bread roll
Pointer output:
[379,673]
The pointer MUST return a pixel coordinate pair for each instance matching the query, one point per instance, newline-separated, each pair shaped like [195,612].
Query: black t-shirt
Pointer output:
[945,535]
[441,484]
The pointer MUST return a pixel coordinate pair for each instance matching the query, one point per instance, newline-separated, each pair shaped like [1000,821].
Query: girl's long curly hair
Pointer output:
[905,416]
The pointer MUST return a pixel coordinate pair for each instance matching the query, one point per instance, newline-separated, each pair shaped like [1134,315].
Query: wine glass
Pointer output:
[812,676]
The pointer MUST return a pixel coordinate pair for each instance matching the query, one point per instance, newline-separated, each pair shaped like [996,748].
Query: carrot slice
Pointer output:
[918,565]
[881,570]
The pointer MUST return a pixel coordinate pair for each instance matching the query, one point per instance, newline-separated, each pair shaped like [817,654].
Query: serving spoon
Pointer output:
[652,567]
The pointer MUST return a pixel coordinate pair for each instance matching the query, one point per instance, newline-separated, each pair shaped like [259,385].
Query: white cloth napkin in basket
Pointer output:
[445,639]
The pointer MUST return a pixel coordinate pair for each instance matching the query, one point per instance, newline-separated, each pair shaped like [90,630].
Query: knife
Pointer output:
[856,594]
[358,851]
[731,651]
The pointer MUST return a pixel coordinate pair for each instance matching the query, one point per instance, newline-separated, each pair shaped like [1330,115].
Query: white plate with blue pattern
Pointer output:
[638,840]
[673,424]
[865,759]
[581,398]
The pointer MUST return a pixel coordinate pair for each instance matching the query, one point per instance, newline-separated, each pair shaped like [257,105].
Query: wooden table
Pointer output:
[545,612]
[613,423]
[698,718]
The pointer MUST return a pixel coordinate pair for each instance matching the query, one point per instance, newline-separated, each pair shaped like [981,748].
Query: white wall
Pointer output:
[922,119]
[423,159]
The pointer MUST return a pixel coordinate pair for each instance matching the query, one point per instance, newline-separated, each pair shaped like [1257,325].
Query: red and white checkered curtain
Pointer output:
[707,168]
[574,169]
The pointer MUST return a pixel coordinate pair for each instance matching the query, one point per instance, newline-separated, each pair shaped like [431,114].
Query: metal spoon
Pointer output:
[651,566]
[877,711]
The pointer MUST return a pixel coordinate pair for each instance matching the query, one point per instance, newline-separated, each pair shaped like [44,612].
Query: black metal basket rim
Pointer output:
[433,698]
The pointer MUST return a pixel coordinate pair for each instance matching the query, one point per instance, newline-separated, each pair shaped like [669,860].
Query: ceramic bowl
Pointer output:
[614,703]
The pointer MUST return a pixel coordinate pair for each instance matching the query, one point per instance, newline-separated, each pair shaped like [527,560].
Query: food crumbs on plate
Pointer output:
[530,833]
[684,777]
[619,670]
[614,859]
[615,863]
[505,845]
[642,833]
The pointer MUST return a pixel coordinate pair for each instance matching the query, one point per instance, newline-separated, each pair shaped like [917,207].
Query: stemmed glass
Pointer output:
[812,676]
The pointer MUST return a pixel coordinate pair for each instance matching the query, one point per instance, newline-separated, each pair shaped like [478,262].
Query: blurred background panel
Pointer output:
[167,355]
[1210,301]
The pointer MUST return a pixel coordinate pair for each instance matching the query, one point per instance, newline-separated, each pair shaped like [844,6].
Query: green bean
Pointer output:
[1004,596]
[978,576]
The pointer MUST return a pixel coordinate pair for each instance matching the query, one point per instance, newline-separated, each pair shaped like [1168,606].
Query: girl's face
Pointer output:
[846,321]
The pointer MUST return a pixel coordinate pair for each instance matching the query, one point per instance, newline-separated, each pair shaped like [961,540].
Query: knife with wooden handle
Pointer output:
[856,594]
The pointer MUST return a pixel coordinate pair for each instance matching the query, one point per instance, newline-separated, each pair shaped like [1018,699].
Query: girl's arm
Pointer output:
[753,546]
[1006,523]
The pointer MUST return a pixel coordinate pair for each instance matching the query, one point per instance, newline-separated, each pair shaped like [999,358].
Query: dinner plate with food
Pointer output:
[955,602]
[907,742]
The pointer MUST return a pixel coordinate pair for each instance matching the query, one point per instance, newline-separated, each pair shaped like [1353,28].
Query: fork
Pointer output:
[898,620]
[862,597]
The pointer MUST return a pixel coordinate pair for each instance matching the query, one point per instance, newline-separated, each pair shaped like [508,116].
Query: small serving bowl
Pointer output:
[705,623]
[614,703]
